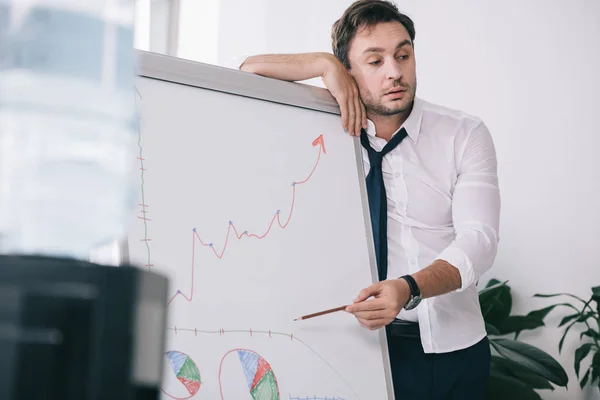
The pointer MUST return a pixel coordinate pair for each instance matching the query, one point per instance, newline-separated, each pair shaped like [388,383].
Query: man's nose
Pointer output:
[393,70]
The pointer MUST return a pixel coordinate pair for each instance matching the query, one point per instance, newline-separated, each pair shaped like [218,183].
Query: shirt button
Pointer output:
[397,174]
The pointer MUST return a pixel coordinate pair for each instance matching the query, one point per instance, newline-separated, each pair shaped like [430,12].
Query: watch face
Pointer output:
[413,302]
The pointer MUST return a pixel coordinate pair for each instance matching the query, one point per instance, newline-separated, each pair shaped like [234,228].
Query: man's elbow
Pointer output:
[482,253]
[473,253]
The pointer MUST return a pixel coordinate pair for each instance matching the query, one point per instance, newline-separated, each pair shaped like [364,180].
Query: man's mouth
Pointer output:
[396,91]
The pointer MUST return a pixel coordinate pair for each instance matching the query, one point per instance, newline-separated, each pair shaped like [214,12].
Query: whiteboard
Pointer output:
[252,202]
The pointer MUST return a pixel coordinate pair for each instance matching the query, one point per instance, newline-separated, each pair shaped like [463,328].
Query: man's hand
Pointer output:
[343,88]
[335,77]
[388,299]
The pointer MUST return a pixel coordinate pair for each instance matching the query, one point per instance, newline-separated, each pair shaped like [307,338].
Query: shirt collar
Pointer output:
[412,123]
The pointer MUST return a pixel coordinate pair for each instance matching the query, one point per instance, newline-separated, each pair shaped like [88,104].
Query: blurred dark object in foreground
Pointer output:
[74,330]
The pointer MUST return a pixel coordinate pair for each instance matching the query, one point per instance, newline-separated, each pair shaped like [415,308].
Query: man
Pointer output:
[436,225]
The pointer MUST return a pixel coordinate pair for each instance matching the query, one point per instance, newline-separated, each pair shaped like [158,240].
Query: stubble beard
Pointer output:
[378,108]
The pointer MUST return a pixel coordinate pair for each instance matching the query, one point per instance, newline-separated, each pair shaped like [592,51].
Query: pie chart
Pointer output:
[185,370]
[261,380]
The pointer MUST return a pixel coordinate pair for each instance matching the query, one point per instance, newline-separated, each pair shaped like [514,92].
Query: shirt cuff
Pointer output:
[458,259]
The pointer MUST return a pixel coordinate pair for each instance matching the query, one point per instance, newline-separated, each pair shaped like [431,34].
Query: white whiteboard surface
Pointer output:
[256,212]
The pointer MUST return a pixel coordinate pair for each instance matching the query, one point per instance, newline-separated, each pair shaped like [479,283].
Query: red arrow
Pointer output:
[320,141]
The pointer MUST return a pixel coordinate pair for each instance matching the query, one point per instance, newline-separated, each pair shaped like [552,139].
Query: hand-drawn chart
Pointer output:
[239,235]
[319,141]
[262,383]
[186,371]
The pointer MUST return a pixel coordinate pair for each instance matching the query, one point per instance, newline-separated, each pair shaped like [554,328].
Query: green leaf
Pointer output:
[496,302]
[567,319]
[493,282]
[532,358]
[582,318]
[491,291]
[596,368]
[492,330]
[586,316]
[596,291]
[543,312]
[562,339]
[595,375]
[498,315]
[585,378]
[591,334]
[503,387]
[558,294]
[490,304]
[509,368]
[518,323]
[580,354]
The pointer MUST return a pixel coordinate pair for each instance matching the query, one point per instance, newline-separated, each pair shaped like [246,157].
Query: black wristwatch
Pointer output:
[415,293]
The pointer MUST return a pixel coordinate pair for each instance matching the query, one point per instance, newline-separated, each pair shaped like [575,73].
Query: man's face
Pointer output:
[382,63]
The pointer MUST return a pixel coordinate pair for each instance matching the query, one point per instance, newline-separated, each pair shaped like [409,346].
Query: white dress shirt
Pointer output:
[443,202]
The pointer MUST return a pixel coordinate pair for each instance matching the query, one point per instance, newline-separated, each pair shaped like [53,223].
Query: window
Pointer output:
[157,25]
[142,25]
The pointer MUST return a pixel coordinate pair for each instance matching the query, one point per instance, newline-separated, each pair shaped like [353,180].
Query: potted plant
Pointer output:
[518,369]
[586,315]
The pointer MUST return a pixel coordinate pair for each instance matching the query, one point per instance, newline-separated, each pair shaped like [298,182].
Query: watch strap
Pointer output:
[412,284]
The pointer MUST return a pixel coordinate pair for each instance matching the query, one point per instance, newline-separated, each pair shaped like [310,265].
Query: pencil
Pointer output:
[321,313]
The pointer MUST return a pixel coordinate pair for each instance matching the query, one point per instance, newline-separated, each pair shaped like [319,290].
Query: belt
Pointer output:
[401,328]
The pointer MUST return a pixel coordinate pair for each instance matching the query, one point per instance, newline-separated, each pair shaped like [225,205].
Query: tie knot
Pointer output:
[376,157]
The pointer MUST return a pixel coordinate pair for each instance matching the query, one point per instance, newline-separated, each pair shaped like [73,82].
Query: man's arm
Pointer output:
[289,67]
[440,277]
[476,219]
[335,77]
[476,215]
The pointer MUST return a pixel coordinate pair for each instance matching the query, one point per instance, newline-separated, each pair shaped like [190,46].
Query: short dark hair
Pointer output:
[365,13]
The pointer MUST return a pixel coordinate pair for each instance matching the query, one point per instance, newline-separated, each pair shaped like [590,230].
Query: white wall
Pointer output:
[530,69]
[199,30]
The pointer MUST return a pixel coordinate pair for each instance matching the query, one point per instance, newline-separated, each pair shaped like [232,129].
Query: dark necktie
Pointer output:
[377,197]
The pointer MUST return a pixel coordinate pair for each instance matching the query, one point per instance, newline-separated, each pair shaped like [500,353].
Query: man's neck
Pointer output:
[387,125]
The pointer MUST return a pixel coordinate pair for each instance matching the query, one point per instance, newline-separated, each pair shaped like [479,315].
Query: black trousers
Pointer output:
[458,375]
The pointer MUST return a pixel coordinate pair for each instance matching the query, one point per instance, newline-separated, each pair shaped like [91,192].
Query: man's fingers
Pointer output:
[364,114]
[368,292]
[359,114]
[371,315]
[351,116]
[369,305]
[344,112]
[373,324]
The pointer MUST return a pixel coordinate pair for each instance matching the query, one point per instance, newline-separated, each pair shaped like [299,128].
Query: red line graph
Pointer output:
[319,141]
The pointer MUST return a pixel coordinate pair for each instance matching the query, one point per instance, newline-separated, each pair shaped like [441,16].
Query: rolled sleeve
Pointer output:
[475,209]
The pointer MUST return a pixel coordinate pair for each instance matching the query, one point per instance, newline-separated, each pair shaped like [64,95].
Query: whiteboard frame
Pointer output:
[212,77]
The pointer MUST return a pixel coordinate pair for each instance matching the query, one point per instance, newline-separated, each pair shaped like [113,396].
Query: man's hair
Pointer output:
[365,13]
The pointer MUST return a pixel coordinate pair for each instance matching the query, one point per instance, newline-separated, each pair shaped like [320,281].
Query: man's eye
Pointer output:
[374,62]
[403,56]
